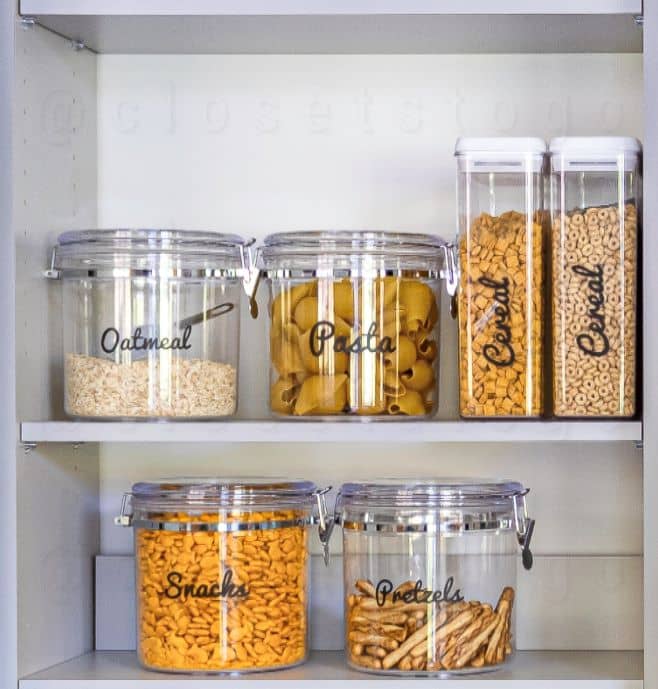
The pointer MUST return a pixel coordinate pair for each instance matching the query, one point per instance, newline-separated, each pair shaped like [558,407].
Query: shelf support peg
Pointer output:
[28,447]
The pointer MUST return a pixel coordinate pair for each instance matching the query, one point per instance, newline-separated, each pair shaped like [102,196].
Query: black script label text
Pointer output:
[500,352]
[385,591]
[227,589]
[324,331]
[595,342]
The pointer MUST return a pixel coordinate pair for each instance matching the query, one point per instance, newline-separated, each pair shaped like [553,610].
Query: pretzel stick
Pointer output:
[446,626]
[371,604]
[405,664]
[419,638]
[384,617]
[503,610]
[369,662]
[418,663]
[375,651]
[478,661]
[455,645]
[366,586]
[356,649]
[373,640]
[403,588]
[471,648]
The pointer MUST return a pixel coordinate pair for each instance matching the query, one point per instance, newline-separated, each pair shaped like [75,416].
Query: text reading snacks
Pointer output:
[151,322]
[502,271]
[222,573]
[354,322]
[596,193]
[430,573]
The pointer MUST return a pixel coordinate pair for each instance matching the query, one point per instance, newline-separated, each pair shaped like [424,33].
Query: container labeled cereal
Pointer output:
[222,573]
[596,209]
[151,322]
[430,573]
[501,276]
[354,323]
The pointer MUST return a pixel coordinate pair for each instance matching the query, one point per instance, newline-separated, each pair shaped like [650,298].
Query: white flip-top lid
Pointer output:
[500,153]
[594,153]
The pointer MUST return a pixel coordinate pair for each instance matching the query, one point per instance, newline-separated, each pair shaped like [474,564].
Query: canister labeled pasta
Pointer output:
[221,573]
[596,187]
[354,323]
[430,574]
[151,322]
[501,283]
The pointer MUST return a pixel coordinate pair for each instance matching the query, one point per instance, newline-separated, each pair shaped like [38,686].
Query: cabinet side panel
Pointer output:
[54,190]
[8,433]
[650,320]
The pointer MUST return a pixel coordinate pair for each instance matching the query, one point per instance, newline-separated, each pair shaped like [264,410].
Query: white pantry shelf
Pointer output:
[344,26]
[347,431]
[528,670]
[327,7]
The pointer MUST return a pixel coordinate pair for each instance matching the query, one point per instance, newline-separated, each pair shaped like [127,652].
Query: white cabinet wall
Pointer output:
[156,126]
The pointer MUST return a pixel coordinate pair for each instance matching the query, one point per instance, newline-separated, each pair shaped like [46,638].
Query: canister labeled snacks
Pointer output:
[501,276]
[354,323]
[430,573]
[595,228]
[151,322]
[222,573]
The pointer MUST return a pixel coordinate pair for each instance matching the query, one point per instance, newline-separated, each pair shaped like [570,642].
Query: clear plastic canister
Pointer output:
[502,224]
[430,573]
[354,323]
[222,573]
[596,189]
[151,322]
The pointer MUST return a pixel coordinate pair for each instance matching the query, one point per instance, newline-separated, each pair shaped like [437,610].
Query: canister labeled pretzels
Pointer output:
[430,570]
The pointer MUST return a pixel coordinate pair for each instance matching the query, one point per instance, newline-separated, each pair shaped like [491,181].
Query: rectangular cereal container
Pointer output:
[595,184]
[500,243]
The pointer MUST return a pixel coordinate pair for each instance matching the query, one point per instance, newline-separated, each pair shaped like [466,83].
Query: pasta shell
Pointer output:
[381,291]
[404,355]
[433,316]
[344,300]
[419,377]
[306,313]
[366,391]
[285,351]
[283,395]
[327,363]
[409,404]
[322,395]
[285,302]
[393,386]
[426,346]
[387,290]
[416,298]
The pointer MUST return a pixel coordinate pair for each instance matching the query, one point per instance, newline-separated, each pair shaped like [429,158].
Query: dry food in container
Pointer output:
[222,572]
[354,322]
[430,573]
[151,322]
[501,222]
[596,188]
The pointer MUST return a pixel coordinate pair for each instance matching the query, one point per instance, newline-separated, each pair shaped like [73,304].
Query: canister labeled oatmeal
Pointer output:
[501,276]
[354,323]
[430,573]
[151,322]
[222,573]
[596,186]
